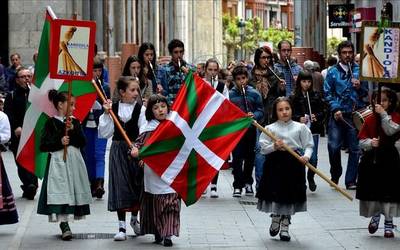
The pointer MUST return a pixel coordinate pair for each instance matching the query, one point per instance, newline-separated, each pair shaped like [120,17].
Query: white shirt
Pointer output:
[106,124]
[5,130]
[296,135]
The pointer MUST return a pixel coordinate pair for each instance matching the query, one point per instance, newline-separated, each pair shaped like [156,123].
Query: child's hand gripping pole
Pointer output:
[113,116]
[298,157]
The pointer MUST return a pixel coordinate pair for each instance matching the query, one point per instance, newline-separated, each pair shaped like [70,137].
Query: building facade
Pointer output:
[197,23]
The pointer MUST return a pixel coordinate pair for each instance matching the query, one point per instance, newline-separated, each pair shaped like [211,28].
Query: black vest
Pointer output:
[220,87]
[131,127]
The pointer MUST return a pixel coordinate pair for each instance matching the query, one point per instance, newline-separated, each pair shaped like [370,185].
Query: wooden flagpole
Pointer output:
[113,116]
[292,152]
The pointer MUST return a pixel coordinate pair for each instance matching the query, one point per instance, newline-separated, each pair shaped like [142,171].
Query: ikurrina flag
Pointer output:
[39,108]
[190,146]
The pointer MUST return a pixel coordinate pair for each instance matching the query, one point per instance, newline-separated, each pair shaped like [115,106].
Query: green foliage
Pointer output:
[253,35]
[332,44]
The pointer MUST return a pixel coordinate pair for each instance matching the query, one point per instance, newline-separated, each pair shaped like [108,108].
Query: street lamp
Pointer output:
[241,24]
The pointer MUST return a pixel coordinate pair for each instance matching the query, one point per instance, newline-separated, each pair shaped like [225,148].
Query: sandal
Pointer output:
[374,224]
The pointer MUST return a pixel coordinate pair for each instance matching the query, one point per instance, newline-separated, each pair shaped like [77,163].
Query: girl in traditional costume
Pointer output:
[65,193]
[282,189]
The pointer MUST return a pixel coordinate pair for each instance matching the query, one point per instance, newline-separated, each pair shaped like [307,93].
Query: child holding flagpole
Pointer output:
[160,207]
[282,188]
[125,181]
[63,198]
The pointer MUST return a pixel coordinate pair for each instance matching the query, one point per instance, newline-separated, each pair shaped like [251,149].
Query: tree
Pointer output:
[332,44]
[254,34]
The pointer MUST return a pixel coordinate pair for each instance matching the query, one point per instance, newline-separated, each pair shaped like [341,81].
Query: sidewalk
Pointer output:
[331,222]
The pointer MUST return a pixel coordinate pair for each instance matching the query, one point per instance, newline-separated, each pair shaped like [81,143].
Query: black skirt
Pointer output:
[283,180]
[379,175]
[8,210]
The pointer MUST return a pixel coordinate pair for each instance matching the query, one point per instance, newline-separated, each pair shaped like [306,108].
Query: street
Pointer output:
[331,222]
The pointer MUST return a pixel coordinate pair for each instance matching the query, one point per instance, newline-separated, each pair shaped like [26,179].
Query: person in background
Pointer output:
[147,58]
[11,71]
[287,66]
[95,149]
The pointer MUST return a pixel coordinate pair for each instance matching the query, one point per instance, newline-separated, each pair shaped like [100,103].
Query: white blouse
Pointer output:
[294,134]
[5,130]
[106,124]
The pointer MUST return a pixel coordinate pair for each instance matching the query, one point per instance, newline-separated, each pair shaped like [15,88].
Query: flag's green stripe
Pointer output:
[162,146]
[78,88]
[192,179]
[40,157]
[191,98]
[225,128]
[42,65]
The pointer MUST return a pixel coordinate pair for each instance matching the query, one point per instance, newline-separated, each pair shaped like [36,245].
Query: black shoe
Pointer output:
[157,239]
[249,190]
[167,243]
[66,233]
[29,192]
[311,185]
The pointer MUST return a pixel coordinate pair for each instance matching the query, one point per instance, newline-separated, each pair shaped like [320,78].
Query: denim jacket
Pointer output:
[339,91]
[254,101]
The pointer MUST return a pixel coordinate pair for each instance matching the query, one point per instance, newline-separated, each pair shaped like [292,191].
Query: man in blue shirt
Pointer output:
[287,66]
[342,92]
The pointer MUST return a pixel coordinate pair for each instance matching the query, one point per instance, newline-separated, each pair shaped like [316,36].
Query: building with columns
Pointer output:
[197,23]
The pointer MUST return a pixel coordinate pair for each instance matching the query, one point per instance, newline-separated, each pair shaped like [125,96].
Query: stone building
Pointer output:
[197,23]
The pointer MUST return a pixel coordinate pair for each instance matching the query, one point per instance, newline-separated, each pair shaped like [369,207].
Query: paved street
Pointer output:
[331,222]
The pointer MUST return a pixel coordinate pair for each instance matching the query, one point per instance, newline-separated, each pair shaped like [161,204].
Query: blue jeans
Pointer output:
[259,160]
[314,156]
[94,154]
[337,132]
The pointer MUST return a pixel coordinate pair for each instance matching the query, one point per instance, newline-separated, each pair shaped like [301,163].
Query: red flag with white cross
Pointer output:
[190,146]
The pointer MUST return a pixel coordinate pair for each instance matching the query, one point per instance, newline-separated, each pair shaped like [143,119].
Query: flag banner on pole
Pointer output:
[40,109]
[190,146]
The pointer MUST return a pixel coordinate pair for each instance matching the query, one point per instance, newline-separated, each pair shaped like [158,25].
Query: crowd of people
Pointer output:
[297,104]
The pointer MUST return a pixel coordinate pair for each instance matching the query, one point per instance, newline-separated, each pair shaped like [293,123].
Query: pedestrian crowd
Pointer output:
[297,104]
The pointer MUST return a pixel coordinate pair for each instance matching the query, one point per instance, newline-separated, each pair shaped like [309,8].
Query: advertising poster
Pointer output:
[380,52]
[72,52]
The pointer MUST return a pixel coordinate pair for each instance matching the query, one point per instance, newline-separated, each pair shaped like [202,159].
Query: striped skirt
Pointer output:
[160,213]
[8,210]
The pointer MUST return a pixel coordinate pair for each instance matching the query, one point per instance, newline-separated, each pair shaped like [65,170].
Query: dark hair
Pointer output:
[257,55]
[282,42]
[124,81]
[391,95]
[142,50]
[239,70]
[344,44]
[154,99]
[211,60]
[275,104]
[331,60]
[175,43]
[56,97]
[126,71]
[303,75]
[97,63]
[19,70]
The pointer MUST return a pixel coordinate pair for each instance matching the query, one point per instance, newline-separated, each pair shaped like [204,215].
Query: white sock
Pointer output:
[122,224]
[134,218]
